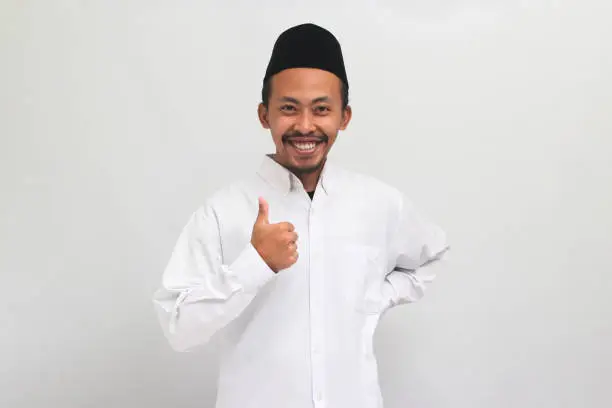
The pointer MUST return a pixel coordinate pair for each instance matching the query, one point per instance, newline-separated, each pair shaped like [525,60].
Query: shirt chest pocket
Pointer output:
[359,273]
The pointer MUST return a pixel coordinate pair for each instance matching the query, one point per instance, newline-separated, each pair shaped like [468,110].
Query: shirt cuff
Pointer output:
[250,270]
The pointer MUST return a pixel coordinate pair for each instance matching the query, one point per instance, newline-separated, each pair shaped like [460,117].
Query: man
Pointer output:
[294,265]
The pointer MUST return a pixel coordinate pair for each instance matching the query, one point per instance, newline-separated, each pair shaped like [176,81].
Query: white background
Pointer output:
[118,118]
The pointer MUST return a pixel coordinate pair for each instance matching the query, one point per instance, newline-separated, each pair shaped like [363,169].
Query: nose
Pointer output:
[305,123]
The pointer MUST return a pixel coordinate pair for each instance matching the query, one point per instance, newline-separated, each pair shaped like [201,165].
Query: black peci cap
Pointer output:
[307,46]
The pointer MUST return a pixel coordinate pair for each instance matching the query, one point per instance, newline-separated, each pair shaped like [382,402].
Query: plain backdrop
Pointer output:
[118,118]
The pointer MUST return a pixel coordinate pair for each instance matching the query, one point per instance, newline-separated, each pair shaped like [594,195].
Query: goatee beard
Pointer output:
[299,171]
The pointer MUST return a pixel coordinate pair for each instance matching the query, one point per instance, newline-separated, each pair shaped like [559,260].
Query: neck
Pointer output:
[309,179]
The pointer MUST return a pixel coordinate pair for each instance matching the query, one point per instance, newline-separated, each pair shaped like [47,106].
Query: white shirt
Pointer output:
[301,338]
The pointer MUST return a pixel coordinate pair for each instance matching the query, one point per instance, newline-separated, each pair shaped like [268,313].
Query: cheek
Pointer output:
[330,126]
[279,127]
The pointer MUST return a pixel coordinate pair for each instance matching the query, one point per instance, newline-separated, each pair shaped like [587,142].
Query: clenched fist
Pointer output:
[276,243]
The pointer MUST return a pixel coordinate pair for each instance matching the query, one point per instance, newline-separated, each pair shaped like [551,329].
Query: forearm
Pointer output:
[191,311]
[408,286]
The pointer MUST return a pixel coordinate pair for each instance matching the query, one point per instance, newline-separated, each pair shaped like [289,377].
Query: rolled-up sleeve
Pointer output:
[199,294]
[417,246]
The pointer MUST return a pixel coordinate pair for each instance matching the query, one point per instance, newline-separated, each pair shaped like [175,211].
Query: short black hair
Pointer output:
[266,90]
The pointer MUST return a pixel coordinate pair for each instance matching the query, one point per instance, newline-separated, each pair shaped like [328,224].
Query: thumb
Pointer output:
[262,216]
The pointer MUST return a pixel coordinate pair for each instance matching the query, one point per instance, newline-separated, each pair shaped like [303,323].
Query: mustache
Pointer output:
[296,135]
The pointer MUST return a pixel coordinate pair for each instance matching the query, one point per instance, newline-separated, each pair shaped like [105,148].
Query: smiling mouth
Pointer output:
[305,147]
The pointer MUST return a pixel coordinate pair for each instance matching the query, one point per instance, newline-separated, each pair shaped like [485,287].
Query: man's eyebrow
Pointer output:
[321,99]
[314,101]
[289,99]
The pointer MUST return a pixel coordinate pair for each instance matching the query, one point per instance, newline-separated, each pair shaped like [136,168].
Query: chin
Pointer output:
[308,166]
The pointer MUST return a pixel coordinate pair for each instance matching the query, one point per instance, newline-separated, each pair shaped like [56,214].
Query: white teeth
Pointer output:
[304,146]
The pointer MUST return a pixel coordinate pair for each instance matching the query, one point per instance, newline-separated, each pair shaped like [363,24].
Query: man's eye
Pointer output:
[288,108]
[322,109]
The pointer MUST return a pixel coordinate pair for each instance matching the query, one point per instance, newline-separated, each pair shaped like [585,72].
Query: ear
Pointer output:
[262,113]
[347,114]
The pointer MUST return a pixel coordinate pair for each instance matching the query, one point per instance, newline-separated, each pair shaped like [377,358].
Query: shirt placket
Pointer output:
[317,310]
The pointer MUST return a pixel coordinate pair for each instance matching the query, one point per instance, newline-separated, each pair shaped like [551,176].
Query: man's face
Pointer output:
[304,115]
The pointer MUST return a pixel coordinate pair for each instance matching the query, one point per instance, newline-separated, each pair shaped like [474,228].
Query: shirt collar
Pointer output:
[281,178]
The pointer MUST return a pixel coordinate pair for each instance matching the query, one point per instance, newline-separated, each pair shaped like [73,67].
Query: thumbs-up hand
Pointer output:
[275,243]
